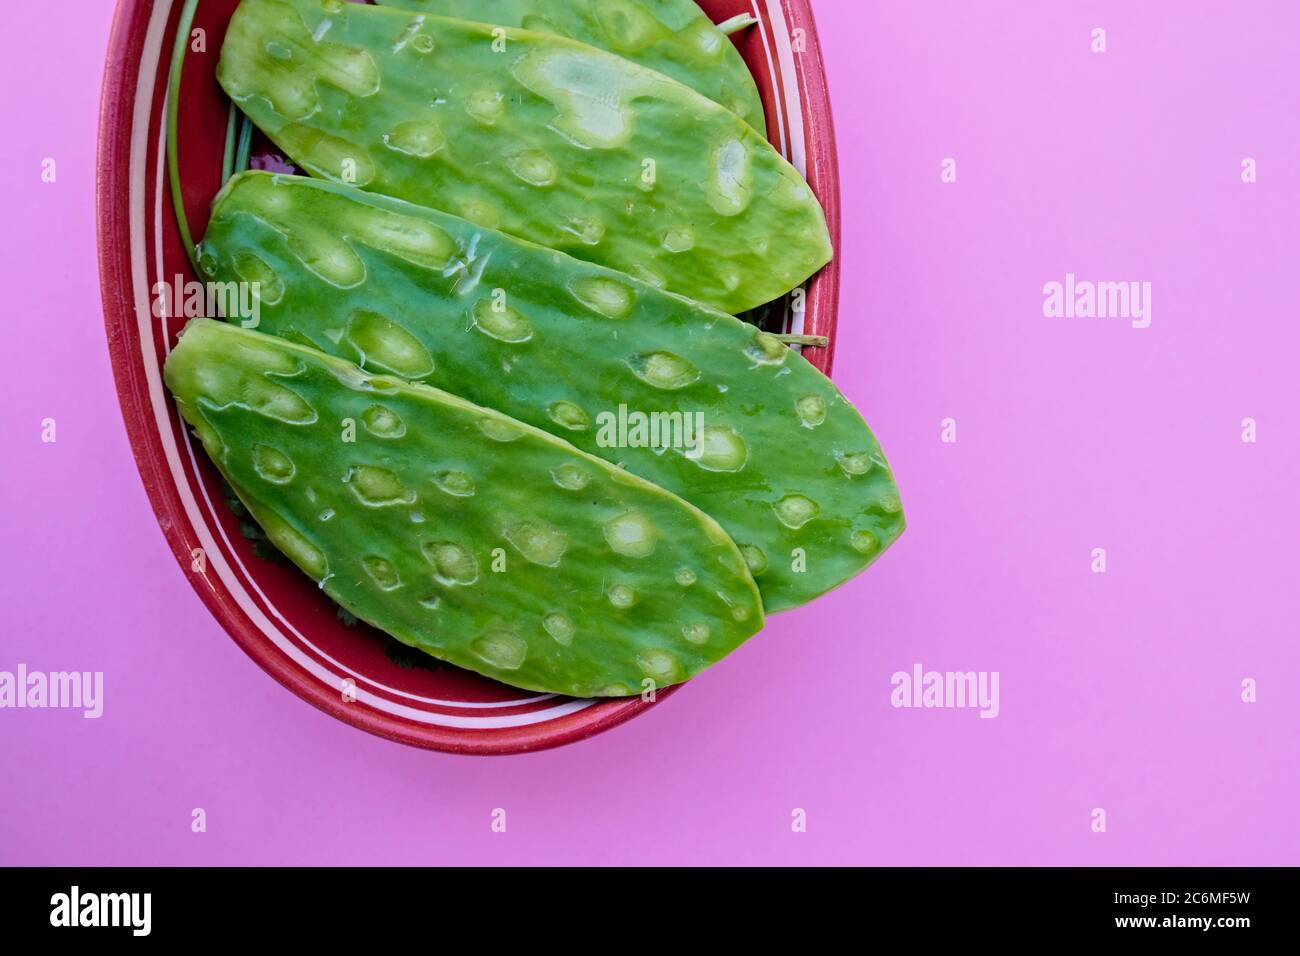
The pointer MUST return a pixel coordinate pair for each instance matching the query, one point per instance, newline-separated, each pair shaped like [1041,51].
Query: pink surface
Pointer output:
[1120,691]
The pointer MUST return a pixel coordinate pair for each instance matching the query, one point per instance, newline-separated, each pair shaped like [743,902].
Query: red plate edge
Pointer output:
[125,52]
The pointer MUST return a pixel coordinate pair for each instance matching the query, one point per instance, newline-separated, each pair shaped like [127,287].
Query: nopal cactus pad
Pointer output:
[673,37]
[780,457]
[475,538]
[542,137]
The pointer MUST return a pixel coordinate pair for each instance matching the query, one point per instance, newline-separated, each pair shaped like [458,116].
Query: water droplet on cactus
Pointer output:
[380,343]
[854,463]
[795,511]
[377,487]
[559,627]
[534,167]
[272,464]
[383,422]
[455,483]
[501,322]
[608,297]
[659,666]
[811,410]
[382,572]
[418,138]
[632,535]
[864,542]
[452,564]
[500,429]
[570,416]
[622,596]
[502,649]
[696,632]
[570,477]
[720,449]
[486,106]
[664,370]
[538,542]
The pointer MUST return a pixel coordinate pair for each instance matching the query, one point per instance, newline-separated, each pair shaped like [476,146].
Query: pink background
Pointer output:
[1119,691]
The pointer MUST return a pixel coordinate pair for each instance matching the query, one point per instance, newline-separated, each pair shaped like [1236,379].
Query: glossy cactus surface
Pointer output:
[462,532]
[537,135]
[616,367]
[673,37]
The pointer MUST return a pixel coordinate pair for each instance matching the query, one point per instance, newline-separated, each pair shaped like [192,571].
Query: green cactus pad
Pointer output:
[784,462]
[459,531]
[545,138]
[673,37]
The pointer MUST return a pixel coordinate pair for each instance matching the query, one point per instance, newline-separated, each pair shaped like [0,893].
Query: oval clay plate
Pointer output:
[273,612]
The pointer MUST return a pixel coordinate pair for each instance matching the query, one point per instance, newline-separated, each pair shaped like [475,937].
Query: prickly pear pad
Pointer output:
[545,138]
[787,465]
[673,37]
[457,530]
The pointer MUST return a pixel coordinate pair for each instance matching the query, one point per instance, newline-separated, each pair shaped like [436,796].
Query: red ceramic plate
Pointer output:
[274,613]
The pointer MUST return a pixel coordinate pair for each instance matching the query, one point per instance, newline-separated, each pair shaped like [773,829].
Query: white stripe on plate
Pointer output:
[788,107]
